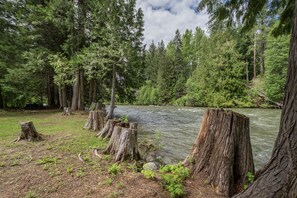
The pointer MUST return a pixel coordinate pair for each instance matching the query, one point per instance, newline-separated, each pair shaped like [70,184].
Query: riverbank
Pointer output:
[51,168]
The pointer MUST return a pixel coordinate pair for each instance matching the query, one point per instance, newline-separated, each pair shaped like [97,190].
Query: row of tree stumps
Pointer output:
[222,149]
[123,136]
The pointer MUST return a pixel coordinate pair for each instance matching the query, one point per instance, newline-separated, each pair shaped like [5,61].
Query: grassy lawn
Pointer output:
[51,168]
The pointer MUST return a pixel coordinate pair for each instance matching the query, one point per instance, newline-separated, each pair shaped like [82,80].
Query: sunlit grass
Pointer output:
[68,129]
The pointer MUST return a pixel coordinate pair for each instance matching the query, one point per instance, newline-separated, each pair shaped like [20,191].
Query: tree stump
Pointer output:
[108,129]
[67,111]
[223,150]
[95,121]
[29,132]
[123,142]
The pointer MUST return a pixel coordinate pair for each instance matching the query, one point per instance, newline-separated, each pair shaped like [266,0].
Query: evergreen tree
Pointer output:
[276,67]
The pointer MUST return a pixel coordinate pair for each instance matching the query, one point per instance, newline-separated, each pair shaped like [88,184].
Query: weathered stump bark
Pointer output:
[108,129]
[29,132]
[123,142]
[95,121]
[223,150]
[67,111]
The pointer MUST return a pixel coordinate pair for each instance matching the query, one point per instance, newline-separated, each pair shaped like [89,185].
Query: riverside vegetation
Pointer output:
[61,60]
[54,169]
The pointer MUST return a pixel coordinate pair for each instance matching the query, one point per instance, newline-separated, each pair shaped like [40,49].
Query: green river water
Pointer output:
[178,128]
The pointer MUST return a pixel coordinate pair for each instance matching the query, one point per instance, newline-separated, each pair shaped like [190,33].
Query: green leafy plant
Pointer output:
[250,179]
[47,160]
[80,173]
[31,194]
[108,181]
[15,162]
[175,189]
[149,174]
[173,176]
[120,185]
[133,167]
[124,118]
[114,169]
[106,157]
[70,170]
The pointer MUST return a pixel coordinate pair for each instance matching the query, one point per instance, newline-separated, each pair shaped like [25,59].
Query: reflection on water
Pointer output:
[179,127]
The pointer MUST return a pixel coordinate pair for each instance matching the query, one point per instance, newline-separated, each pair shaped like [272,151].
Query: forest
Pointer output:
[58,54]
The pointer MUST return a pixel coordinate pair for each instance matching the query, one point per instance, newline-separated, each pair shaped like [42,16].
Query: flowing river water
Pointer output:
[178,127]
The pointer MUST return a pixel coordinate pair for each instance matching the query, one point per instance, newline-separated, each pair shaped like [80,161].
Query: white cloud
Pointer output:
[163,17]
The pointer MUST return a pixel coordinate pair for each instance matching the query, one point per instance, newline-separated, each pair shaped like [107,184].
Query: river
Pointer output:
[177,128]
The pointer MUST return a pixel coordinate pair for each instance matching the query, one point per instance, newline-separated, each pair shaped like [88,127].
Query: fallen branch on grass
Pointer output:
[80,158]
[96,153]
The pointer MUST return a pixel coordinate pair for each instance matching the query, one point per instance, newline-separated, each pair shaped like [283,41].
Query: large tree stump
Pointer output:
[66,111]
[108,129]
[29,132]
[95,121]
[123,142]
[223,150]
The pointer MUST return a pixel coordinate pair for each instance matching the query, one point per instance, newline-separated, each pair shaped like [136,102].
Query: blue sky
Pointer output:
[163,17]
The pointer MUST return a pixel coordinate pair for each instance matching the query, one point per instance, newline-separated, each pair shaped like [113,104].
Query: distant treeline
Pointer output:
[226,68]
[71,53]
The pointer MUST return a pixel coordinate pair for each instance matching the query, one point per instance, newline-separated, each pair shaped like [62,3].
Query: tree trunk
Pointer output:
[112,99]
[77,97]
[75,92]
[223,150]
[62,97]
[262,58]
[255,55]
[123,142]
[29,132]
[50,88]
[108,129]
[247,72]
[95,121]
[1,99]
[93,90]
[81,91]
[278,178]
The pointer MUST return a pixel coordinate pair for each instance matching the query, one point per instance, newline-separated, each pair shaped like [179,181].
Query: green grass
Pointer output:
[48,123]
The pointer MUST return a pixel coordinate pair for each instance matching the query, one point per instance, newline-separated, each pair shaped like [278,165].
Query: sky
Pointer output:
[163,17]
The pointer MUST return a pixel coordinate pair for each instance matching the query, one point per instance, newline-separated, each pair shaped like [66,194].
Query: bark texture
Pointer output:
[62,96]
[223,150]
[78,92]
[123,142]
[92,90]
[278,178]
[112,99]
[50,88]
[108,129]
[95,121]
[29,132]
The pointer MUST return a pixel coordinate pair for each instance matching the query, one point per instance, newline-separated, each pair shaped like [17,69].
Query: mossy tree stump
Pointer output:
[29,132]
[95,120]
[223,150]
[123,142]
